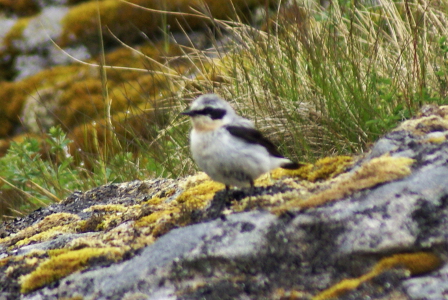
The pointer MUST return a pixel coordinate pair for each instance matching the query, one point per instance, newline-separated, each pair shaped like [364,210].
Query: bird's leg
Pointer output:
[251,191]
[227,196]
[222,204]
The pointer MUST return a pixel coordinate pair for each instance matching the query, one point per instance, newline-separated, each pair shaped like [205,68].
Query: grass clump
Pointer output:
[332,80]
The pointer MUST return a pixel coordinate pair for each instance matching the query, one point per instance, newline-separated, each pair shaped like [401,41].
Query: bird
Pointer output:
[227,147]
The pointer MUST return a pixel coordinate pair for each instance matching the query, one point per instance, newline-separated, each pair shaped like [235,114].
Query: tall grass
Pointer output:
[331,81]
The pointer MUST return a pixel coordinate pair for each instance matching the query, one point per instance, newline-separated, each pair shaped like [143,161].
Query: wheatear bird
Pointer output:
[227,147]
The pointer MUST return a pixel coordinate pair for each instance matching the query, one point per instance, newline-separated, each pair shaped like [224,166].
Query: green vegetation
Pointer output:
[318,81]
[47,172]
[334,80]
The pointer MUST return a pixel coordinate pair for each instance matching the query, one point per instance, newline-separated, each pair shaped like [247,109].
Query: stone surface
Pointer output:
[256,254]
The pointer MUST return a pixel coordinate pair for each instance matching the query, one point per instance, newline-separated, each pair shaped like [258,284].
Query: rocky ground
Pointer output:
[374,227]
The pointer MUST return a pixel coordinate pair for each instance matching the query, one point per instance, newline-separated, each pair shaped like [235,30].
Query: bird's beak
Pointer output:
[188,113]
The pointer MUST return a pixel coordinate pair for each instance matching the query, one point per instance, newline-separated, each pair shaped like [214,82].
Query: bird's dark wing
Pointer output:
[253,136]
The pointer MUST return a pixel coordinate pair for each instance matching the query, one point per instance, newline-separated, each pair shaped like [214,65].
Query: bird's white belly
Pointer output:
[227,159]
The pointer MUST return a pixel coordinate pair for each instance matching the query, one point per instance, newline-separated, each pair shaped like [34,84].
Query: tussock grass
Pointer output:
[327,81]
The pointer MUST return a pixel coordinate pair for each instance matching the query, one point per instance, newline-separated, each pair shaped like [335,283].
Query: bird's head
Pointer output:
[209,112]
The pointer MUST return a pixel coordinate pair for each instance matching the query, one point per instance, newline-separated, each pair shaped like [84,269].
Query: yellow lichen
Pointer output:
[57,252]
[20,7]
[107,208]
[198,196]
[4,261]
[436,139]
[52,222]
[415,263]
[72,298]
[376,171]
[154,201]
[424,125]
[64,264]
[15,32]
[302,172]
[156,217]
[81,22]
[124,236]
[324,168]
[282,294]
[109,216]
[86,242]
[92,224]
[329,167]
[48,234]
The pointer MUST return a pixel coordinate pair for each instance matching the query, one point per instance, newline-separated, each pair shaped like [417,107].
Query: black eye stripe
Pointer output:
[214,113]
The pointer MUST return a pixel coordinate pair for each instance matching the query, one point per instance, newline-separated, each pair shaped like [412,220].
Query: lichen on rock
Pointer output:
[373,225]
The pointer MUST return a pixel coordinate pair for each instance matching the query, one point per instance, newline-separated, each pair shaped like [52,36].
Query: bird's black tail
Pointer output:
[291,165]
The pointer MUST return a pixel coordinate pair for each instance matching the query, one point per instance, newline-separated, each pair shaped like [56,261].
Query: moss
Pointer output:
[140,93]
[57,252]
[147,57]
[11,101]
[436,139]
[82,101]
[8,51]
[49,234]
[415,263]
[4,261]
[425,125]
[15,33]
[107,208]
[156,217]
[92,224]
[61,265]
[154,201]
[20,7]
[48,227]
[14,94]
[81,22]
[22,264]
[323,169]
[72,298]
[282,294]
[106,217]
[374,172]
[198,196]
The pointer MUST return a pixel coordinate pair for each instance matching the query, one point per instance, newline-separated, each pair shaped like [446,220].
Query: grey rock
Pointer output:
[257,255]
[36,40]
[56,243]
[383,146]
[428,287]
